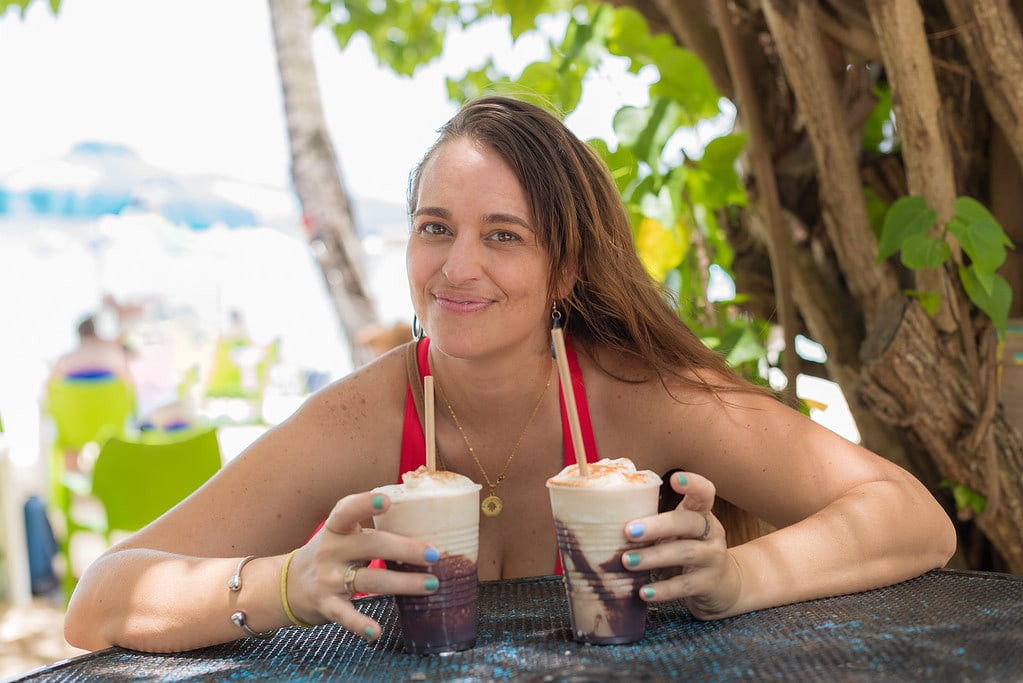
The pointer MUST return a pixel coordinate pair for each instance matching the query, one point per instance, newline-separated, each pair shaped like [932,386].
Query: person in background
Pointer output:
[517,225]
[93,356]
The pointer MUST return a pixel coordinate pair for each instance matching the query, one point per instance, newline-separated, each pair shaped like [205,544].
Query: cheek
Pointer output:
[418,270]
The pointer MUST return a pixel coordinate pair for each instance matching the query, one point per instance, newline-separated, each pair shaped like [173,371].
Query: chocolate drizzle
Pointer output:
[619,618]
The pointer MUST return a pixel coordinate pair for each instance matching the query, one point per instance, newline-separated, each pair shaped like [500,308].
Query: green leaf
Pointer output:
[995,303]
[906,217]
[929,301]
[924,251]
[965,497]
[621,163]
[713,180]
[979,234]
[629,36]
[876,209]
[748,348]
[543,79]
[874,128]
[685,81]
[646,130]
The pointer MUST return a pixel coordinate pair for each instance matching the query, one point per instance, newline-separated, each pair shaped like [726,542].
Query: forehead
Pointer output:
[463,169]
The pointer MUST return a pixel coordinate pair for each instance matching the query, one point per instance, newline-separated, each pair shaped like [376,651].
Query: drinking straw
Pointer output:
[431,444]
[566,386]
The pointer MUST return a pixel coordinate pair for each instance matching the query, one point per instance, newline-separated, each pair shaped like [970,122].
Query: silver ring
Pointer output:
[348,580]
[706,528]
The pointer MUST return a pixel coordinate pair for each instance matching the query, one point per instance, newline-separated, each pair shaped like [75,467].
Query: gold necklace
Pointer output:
[492,504]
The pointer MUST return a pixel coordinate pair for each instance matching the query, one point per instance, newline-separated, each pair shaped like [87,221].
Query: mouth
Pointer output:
[457,302]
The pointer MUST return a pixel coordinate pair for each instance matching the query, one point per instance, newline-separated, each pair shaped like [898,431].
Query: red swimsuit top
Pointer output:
[413,441]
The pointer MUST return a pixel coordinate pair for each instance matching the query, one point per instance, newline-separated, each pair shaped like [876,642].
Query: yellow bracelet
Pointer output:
[284,592]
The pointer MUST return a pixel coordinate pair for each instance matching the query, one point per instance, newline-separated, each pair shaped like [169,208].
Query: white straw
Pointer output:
[431,445]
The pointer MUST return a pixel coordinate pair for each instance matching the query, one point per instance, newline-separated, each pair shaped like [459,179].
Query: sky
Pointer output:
[192,86]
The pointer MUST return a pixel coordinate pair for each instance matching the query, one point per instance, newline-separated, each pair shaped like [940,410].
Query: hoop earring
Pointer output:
[417,330]
[555,315]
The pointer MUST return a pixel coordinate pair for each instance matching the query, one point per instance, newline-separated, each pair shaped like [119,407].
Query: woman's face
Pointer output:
[477,275]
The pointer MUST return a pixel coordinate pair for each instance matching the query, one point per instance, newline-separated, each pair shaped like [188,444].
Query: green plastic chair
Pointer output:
[138,479]
[225,379]
[84,409]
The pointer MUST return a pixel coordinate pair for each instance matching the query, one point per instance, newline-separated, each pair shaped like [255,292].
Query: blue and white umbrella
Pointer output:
[99,179]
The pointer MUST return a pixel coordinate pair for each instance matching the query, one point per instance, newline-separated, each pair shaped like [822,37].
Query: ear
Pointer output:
[563,284]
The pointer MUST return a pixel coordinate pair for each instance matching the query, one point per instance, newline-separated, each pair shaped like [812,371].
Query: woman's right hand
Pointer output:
[317,588]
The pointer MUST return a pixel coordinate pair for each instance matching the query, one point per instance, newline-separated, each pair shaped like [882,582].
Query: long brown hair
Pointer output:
[580,219]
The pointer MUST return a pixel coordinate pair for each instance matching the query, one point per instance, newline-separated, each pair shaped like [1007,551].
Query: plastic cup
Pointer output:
[603,596]
[448,519]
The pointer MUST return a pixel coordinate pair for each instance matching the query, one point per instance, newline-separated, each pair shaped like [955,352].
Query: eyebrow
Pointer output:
[489,219]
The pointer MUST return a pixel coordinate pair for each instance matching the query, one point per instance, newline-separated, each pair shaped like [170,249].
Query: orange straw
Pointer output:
[573,413]
[431,444]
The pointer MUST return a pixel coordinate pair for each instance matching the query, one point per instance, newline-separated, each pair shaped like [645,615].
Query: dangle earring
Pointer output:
[555,324]
[417,330]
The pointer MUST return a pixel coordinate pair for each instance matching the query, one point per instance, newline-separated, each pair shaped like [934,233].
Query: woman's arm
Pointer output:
[847,520]
[165,588]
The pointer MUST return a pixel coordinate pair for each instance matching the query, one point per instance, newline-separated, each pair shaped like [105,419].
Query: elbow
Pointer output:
[83,627]
[946,541]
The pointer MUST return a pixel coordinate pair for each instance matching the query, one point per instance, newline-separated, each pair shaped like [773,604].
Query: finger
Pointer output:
[340,610]
[394,581]
[350,510]
[698,492]
[370,544]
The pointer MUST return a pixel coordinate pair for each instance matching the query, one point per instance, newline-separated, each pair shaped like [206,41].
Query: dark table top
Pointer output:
[943,626]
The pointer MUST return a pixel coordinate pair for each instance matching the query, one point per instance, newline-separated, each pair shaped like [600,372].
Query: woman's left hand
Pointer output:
[689,557]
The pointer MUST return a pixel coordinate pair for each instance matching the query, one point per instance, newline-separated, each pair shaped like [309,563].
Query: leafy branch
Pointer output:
[907,229]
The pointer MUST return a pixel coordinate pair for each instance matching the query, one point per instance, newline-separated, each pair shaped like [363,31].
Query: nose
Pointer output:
[464,262]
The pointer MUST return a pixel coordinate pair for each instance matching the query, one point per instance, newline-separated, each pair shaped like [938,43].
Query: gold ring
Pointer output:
[348,580]
[706,528]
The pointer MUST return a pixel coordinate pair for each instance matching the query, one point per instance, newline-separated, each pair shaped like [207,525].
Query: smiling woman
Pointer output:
[518,227]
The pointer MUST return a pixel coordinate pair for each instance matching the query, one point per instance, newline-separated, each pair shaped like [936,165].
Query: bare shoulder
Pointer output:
[368,399]
[345,438]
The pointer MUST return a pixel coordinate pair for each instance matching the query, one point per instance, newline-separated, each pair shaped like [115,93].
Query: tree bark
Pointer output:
[316,175]
[923,390]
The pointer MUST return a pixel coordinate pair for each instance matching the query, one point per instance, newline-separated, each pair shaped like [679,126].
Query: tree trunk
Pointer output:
[923,390]
[316,175]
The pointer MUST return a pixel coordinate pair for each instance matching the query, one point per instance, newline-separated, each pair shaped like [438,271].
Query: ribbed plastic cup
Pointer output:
[603,597]
[444,621]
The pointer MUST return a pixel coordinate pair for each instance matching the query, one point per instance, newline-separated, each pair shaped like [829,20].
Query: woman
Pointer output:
[515,222]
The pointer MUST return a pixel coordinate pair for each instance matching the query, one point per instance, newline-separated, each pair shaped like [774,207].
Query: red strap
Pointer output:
[413,441]
[582,408]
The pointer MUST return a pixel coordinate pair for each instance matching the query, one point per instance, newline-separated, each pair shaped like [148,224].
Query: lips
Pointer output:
[460,302]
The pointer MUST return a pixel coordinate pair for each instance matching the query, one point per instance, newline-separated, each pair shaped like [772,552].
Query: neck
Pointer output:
[477,389]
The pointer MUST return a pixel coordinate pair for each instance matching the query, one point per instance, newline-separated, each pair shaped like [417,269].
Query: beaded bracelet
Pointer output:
[284,592]
[238,618]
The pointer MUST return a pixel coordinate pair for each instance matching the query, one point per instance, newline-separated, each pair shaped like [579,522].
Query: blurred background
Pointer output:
[145,182]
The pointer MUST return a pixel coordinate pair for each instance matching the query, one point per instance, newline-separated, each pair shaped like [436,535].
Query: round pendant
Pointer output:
[492,506]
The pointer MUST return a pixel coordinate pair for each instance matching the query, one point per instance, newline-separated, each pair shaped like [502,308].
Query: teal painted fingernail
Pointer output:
[378,502]
[648,592]
[431,584]
[632,559]
[369,632]
[682,480]
[431,555]
[636,530]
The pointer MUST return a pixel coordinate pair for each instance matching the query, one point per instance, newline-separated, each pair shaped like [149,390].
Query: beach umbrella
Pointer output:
[100,179]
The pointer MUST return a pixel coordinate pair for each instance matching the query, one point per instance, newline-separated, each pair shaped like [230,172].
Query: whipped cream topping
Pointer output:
[605,474]
[422,482]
